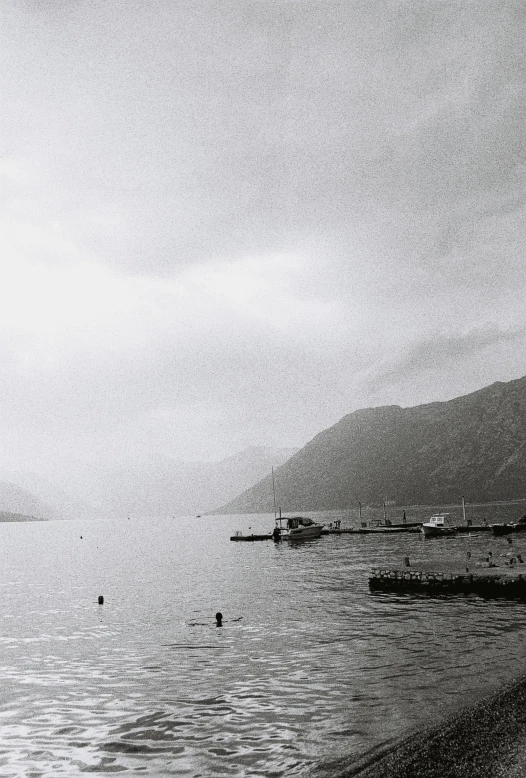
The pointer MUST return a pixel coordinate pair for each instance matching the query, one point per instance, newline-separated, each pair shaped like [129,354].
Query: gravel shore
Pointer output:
[487,740]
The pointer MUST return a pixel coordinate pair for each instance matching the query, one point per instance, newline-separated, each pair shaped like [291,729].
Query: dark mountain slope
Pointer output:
[473,445]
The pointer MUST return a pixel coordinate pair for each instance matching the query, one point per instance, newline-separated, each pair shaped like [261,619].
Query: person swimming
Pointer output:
[218,620]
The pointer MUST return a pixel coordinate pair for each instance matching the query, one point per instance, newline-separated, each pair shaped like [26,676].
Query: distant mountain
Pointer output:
[162,486]
[54,502]
[430,454]
[7,516]
[16,500]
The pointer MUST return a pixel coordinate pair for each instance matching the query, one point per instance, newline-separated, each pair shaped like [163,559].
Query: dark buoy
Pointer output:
[219,619]
[101,599]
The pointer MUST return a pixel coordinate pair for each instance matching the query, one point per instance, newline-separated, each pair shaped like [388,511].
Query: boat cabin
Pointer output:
[437,521]
[294,522]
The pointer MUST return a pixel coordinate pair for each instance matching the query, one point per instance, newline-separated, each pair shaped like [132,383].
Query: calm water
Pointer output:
[308,665]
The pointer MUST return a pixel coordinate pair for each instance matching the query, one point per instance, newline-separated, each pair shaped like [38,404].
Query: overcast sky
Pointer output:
[230,223]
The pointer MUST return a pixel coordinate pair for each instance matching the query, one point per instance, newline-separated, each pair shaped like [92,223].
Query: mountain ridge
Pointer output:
[16,500]
[430,453]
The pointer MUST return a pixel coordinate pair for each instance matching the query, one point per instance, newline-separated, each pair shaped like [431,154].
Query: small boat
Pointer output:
[296,528]
[501,529]
[509,527]
[293,527]
[437,526]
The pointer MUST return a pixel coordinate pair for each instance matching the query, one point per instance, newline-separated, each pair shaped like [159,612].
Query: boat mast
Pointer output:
[463,509]
[274,493]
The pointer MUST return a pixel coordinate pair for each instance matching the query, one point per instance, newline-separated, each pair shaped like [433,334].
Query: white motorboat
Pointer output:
[296,528]
[437,526]
[293,527]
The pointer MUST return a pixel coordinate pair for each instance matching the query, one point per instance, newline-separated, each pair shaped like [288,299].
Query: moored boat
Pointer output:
[437,526]
[296,528]
[508,527]
[293,527]
[501,529]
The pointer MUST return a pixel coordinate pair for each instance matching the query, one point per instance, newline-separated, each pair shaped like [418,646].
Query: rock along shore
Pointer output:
[486,740]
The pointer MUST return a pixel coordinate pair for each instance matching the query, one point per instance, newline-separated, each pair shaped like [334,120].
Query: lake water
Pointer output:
[308,666]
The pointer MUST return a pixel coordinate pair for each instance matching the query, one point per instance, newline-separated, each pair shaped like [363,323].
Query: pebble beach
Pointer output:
[486,740]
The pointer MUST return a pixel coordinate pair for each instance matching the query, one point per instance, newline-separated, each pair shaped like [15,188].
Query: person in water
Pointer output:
[219,621]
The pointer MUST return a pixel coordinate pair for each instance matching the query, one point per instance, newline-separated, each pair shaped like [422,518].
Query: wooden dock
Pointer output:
[371,530]
[385,530]
[463,529]
[239,537]
[486,579]
[466,528]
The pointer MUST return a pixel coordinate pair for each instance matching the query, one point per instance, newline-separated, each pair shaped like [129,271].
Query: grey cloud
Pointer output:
[221,130]
[441,351]
[383,143]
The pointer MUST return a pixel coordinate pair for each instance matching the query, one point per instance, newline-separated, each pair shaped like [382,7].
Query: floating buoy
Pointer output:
[219,619]
[101,599]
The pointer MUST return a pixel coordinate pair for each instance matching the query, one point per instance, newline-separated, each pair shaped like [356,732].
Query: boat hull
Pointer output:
[297,534]
[507,529]
[501,529]
[437,532]
[437,527]
[304,533]
[296,528]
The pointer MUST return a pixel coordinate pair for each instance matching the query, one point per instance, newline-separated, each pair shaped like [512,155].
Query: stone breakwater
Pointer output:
[498,585]
[484,578]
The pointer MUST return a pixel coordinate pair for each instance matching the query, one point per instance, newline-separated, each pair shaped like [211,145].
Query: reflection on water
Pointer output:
[308,664]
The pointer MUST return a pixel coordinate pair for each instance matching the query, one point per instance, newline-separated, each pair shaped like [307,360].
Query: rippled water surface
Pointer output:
[309,664]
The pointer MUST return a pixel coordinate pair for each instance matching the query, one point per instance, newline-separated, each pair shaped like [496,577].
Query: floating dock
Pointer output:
[485,579]
[249,538]
[385,530]
[397,528]
[472,528]
[377,530]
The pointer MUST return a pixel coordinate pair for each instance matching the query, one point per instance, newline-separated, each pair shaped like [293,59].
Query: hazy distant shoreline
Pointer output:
[6,516]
